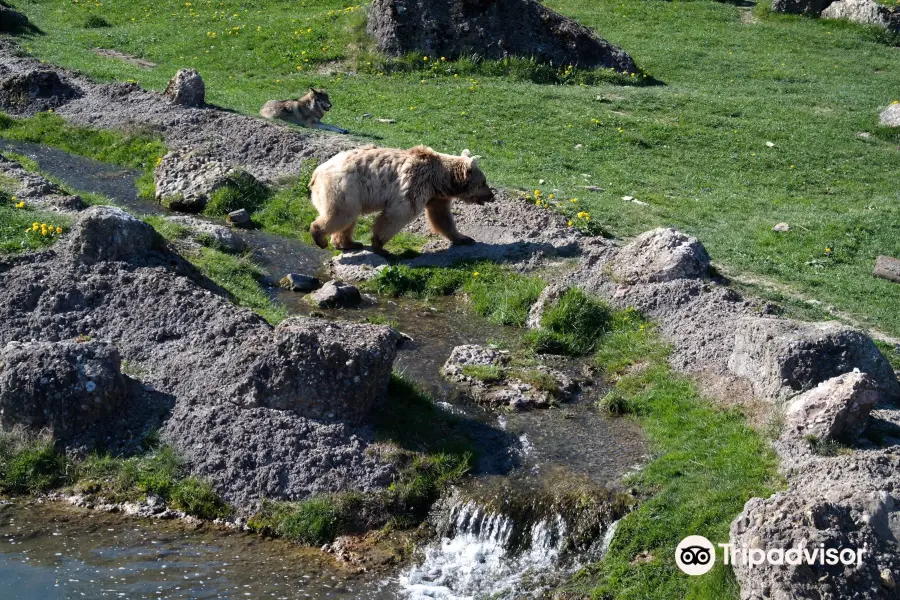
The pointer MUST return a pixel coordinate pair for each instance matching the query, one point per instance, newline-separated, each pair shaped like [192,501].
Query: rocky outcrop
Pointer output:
[38,190]
[890,116]
[781,357]
[186,179]
[658,256]
[105,233]
[867,12]
[259,411]
[186,88]
[835,410]
[491,30]
[360,265]
[35,91]
[206,233]
[62,386]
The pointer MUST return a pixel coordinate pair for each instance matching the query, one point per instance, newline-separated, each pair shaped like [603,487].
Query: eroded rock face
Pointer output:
[105,233]
[495,29]
[319,369]
[841,502]
[35,91]
[658,256]
[890,116]
[781,357]
[63,386]
[186,88]
[835,410]
[867,12]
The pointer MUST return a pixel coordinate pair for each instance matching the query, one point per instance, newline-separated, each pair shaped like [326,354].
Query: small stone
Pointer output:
[367,115]
[770,145]
[863,135]
[579,146]
[540,182]
[781,227]
[593,188]
[386,121]
[238,217]
[299,283]
[627,198]
[335,294]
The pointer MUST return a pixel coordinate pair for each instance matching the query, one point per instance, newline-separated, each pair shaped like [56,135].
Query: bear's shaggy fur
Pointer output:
[399,184]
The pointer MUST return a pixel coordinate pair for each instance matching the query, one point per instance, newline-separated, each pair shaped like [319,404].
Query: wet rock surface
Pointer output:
[186,88]
[360,265]
[491,30]
[299,283]
[63,386]
[266,150]
[205,358]
[335,294]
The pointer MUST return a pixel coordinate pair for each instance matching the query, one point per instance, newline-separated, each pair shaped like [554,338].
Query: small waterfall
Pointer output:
[482,553]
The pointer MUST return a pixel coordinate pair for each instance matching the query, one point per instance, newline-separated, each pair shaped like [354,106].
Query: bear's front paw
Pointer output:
[463,240]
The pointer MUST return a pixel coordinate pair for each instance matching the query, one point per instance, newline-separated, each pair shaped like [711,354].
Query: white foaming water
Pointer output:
[475,559]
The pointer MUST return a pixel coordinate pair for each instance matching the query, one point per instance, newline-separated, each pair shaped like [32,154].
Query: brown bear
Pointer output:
[399,184]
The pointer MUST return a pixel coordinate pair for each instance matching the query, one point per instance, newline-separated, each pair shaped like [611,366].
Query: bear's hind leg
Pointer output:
[330,223]
[388,224]
[343,240]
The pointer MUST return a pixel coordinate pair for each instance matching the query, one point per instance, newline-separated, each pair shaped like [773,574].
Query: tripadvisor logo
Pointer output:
[695,555]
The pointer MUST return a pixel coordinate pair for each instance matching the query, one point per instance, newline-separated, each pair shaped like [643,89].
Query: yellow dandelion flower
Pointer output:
[537,193]
[443,58]
[59,230]
[573,200]
[475,274]
[570,223]
[827,250]
[36,225]
[425,58]
[20,204]
[551,196]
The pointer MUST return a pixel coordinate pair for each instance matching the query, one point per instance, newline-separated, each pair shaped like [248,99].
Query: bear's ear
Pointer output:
[466,153]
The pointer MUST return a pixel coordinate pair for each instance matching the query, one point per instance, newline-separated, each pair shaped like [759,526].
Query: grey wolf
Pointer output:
[306,112]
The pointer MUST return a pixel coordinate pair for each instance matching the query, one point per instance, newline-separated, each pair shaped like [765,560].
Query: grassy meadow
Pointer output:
[693,147]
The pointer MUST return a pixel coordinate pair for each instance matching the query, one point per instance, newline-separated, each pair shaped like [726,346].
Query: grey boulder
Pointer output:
[782,357]
[835,410]
[890,116]
[867,12]
[105,233]
[186,179]
[186,88]
[360,265]
[62,386]
[335,294]
[660,255]
[800,7]
[296,282]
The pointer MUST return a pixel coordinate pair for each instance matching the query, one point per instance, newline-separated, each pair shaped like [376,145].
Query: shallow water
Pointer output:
[69,553]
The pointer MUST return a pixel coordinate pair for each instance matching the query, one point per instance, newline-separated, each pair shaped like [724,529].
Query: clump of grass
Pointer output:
[168,229]
[891,352]
[241,190]
[30,464]
[313,522]
[493,292]
[381,320]
[93,21]
[708,464]
[541,381]
[240,277]
[824,447]
[486,373]
[161,473]
[17,226]
[571,326]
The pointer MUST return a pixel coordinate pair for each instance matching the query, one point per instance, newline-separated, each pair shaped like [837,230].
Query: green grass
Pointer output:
[494,292]
[485,373]
[707,463]
[693,148]
[31,465]
[239,275]
[135,148]
[431,454]
[17,233]
[572,326]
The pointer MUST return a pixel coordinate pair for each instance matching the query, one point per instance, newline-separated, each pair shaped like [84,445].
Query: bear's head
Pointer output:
[475,190]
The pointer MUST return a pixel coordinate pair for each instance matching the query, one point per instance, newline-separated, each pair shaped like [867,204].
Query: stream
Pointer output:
[499,534]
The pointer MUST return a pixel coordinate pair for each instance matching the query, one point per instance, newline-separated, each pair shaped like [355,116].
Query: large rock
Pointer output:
[186,88]
[186,179]
[494,29]
[660,255]
[782,357]
[800,7]
[63,386]
[890,116]
[210,234]
[105,233]
[319,369]
[867,12]
[835,410]
[35,91]
[335,294]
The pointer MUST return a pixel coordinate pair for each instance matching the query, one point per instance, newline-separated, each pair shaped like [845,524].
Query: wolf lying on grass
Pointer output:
[306,112]
[400,184]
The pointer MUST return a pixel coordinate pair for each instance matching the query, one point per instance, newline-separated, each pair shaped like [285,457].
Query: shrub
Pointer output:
[572,326]
[241,190]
